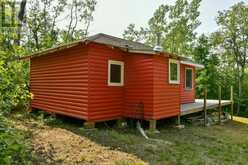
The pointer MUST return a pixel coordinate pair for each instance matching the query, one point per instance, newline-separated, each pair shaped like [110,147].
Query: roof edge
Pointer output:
[200,66]
[184,60]
[53,49]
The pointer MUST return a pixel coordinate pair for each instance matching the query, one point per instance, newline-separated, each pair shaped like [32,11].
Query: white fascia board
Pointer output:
[192,64]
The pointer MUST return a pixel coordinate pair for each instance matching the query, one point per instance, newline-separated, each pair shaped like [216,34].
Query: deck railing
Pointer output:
[219,107]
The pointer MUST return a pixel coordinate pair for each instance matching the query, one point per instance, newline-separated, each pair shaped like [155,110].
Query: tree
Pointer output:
[207,77]
[44,19]
[233,29]
[132,34]
[175,24]
[39,29]
[22,20]
[80,15]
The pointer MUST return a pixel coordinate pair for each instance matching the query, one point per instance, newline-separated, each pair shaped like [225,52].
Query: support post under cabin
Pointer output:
[89,125]
[205,106]
[179,126]
[152,125]
[232,102]
[121,123]
[219,93]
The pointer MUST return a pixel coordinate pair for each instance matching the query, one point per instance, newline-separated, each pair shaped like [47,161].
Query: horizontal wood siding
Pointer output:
[59,82]
[74,82]
[166,96]
[139,86]
[105,102]
[187,96]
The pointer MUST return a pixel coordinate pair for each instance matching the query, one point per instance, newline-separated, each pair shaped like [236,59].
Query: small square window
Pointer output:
[188,78]
[174,71]
[115,73]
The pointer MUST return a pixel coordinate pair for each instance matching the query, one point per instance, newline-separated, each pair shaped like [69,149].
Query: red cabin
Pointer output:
[103,78]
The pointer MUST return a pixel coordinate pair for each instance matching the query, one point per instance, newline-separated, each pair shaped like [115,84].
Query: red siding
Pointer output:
[187,96]
[74,82]
[105,102]
[166,96]
[139,86]
[59,82]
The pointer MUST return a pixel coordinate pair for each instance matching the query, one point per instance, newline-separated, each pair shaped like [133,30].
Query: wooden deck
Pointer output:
[197,106]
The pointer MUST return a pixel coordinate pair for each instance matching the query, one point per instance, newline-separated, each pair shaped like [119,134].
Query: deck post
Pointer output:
[205,106]
[179,120]
[219,93]
[231,98]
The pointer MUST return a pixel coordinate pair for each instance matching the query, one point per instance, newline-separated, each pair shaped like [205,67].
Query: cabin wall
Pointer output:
[105,102]
[187,95]
[59,82]
[74,82]
[139,86]
[166,96]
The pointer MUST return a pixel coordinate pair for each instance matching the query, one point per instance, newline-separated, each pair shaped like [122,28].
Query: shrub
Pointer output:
[14,87]
[13,147]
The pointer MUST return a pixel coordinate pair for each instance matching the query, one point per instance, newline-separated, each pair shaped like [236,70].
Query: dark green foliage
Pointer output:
[13,147]
[41,31]
[37,30]
[209,76]
[13,82]
[232,47]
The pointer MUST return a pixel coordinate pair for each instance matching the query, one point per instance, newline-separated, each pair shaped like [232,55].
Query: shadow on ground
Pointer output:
[218,144]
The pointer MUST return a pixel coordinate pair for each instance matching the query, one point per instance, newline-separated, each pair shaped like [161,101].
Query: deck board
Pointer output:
[197,106]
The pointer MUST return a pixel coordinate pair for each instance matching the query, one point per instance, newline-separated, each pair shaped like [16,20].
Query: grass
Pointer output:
[217,144]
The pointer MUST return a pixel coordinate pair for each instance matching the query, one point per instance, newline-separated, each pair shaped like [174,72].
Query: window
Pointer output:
[188,78]
[174,71]
[115,73]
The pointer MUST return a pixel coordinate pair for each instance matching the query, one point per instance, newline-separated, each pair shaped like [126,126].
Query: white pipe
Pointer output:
[141,130]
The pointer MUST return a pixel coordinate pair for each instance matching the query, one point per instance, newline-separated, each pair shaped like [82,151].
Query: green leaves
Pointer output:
[13,149]
[13,85]
[133,34]
[233,41]
[176,25]
[14,91]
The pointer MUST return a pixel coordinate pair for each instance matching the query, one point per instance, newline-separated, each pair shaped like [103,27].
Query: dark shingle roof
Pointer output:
[131,46]
[98,38]
[119,42]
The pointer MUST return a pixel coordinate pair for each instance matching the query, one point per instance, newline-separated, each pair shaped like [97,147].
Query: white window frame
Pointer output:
[122,72]
[178,71]
[185,77]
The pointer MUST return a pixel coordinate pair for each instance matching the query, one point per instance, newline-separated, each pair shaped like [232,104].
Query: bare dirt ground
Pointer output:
[60,146]
[63,146]
[64,141]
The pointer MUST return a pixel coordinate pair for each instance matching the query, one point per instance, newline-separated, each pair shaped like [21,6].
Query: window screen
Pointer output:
[188,77]
[173,72]
[115,73]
